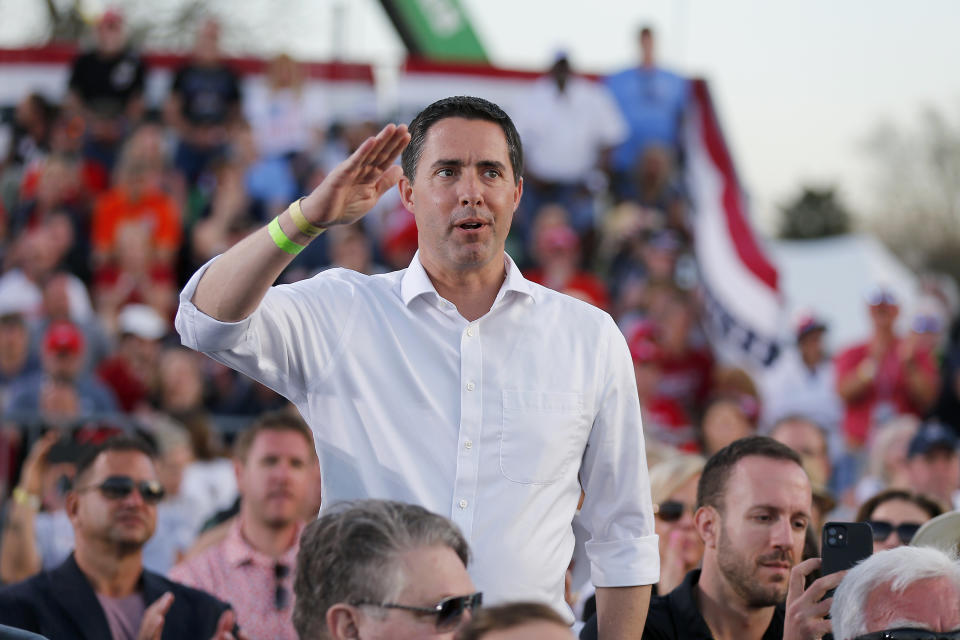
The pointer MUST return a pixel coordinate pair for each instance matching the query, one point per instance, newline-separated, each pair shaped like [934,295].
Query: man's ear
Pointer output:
[238,473]
[70,504]
[406,192]
[707,522]
[343,622]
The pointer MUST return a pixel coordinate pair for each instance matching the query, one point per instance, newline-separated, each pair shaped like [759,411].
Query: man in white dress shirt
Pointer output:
[454,384]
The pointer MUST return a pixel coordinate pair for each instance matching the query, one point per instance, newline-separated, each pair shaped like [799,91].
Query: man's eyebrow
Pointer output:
[445,162]
[776,509]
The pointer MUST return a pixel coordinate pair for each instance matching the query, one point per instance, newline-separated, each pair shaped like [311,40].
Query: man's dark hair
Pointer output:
[509,616]
[114,443]
[466,107]
[272,421]
[713,481]
[351,554]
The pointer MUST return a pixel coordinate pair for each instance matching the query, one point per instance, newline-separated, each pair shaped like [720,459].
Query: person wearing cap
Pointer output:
[132,370]
[884,376]
[569,126]
[109,80]
[803,383]
[933,463]
[62,361]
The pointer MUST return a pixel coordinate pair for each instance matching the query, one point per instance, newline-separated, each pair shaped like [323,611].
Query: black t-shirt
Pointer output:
[107,83]
[675,617]
[207,93]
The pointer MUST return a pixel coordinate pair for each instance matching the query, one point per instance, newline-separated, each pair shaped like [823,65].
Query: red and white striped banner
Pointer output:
[743,303]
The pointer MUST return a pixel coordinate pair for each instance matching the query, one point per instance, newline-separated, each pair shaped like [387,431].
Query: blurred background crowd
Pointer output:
[109,202]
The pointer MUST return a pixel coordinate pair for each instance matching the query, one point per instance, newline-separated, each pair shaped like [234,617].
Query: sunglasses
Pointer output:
[907,633]
[672,510]
[281,597]
[882,530]
[119,487]
[448,612]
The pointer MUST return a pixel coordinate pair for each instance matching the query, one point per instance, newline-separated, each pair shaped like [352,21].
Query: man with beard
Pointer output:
[252,568]
[753,507]
[102,590]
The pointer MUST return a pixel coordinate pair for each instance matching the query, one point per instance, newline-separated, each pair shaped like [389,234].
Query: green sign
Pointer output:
[436,29]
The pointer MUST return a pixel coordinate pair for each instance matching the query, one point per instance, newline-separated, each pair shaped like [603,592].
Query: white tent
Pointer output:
[831,276]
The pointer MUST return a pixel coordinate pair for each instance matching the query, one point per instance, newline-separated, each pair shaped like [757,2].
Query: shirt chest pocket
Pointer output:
[542,435]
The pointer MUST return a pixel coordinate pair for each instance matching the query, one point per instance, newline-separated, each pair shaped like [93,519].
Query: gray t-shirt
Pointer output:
[123,615]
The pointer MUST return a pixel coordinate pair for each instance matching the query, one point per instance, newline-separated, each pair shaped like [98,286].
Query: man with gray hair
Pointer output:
[907,593]
[377,569]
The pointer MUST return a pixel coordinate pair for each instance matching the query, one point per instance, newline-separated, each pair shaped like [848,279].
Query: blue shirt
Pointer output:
[652,102]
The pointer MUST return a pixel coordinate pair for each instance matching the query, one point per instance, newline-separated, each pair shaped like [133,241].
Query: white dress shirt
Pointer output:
[564,133]
[488,423]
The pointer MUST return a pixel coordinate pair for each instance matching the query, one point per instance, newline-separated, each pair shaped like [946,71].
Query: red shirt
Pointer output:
[886,396]
[666,421]
[686,377]
[129,389]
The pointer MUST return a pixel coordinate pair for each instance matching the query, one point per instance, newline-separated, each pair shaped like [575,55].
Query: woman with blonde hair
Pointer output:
[673,487]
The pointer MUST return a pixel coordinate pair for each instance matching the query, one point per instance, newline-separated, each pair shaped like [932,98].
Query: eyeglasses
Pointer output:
[119,487]
[882,530]
[448,612]
[281,597]
[671,510]
[908,633]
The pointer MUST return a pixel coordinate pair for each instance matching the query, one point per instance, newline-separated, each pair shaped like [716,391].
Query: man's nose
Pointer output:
[782,533]
[471,191]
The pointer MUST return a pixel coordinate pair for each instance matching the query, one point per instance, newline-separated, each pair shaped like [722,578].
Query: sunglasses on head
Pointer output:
[119,487]
[909,633]
[882,530]
[671,510]
[448,612]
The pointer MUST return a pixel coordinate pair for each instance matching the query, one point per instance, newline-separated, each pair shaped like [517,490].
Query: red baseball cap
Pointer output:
[63,337]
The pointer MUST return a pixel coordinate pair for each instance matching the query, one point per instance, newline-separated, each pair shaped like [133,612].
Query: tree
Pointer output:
[814,213]
[916,186]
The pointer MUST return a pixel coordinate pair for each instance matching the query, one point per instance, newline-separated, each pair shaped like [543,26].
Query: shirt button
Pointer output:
[463,504]
[471,386]
[468,444]
[470,332]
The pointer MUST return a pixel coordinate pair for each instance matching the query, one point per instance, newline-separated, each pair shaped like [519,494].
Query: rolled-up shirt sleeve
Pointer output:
[287,340]
[617,510]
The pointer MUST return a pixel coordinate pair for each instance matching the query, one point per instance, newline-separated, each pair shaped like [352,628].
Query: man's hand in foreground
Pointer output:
[355,185]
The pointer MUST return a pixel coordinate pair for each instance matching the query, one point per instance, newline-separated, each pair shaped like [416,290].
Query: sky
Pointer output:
[798,85]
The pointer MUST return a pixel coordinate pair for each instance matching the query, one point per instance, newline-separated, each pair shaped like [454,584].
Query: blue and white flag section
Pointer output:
[742,300]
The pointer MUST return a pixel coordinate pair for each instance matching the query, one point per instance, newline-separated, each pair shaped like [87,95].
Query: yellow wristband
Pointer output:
[23,497]
[307,229]
[281,240]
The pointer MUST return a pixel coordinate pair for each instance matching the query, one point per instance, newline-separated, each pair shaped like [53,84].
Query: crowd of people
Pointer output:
[151,491]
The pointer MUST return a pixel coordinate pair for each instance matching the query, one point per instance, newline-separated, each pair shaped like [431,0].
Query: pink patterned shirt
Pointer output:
[259,587]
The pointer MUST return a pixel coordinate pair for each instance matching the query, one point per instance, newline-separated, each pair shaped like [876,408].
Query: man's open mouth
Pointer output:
[470,225]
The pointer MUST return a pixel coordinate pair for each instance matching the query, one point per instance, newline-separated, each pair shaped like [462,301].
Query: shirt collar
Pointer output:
[687,613]
[237,551]
[416,282]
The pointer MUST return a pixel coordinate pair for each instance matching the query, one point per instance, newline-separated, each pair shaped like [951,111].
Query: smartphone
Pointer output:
[844,544]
